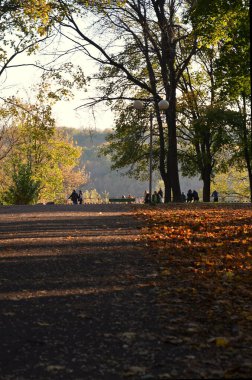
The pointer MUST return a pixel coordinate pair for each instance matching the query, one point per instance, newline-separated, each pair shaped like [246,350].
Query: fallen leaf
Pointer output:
[135,370]
[220,341]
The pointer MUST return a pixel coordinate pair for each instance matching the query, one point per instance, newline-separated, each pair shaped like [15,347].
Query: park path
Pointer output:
[80,298]
[74,284]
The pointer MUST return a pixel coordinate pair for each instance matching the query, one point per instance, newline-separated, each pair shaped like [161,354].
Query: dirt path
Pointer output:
[81,299]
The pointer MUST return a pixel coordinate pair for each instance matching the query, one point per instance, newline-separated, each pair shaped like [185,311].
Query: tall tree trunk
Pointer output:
[250,184]
[206,177]
[249,169]
[172,151]
[169,77]
[247,148]
[162,163]
[167,186]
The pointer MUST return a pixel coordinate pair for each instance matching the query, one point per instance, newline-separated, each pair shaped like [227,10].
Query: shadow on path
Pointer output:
[82,298]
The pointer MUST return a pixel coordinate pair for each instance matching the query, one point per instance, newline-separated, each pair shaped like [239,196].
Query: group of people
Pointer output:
[157,197]
[192,196]
[129,196]
[76,197]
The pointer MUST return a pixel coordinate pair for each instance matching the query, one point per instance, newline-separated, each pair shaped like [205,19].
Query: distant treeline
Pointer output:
[102,178]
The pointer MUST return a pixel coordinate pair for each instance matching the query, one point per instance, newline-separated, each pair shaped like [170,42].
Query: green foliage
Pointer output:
[128,146]
[209,135]
[225,25]
[24,189]
[233,62]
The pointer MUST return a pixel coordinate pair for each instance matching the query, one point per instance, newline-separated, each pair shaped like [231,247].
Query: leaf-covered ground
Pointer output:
[204,255]
[122,292]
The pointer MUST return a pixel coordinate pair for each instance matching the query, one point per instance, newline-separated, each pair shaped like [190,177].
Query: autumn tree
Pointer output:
[8,137]
[24,25]
[52,158]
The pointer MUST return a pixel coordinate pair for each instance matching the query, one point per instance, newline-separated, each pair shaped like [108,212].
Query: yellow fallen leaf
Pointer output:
[165,272]
[222,341]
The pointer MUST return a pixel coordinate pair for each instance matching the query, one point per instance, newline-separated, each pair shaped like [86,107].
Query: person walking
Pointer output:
[147,197]
[215,196]
[161,194]
[80,197]
[74,197]
[195,196]
[156,197]
[189,196]
[183,197]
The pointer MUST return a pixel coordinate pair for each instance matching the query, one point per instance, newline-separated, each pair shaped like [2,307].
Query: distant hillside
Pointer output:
[102,178]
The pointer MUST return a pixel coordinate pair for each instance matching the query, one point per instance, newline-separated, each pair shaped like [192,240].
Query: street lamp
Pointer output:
[163,105]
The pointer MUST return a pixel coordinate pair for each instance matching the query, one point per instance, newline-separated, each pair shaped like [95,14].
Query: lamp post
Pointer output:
[163,106]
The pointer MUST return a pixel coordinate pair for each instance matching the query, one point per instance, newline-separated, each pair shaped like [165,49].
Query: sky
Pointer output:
[19,81]
[66,116]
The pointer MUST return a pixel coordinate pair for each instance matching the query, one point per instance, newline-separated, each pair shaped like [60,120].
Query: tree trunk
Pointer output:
[206,177]
[247,152]
[249,172]
[172,151]
[167,186]
[250,185]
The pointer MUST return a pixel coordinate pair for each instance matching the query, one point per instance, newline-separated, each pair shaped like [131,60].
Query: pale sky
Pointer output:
[67,116]
[20,80]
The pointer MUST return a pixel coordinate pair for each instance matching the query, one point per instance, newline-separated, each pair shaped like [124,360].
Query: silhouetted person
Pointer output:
[156,197]
[189,195]
[74,197]
[215,196]
[183,197]
[80,197]
[146,197]
[195,196]
[161,194]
